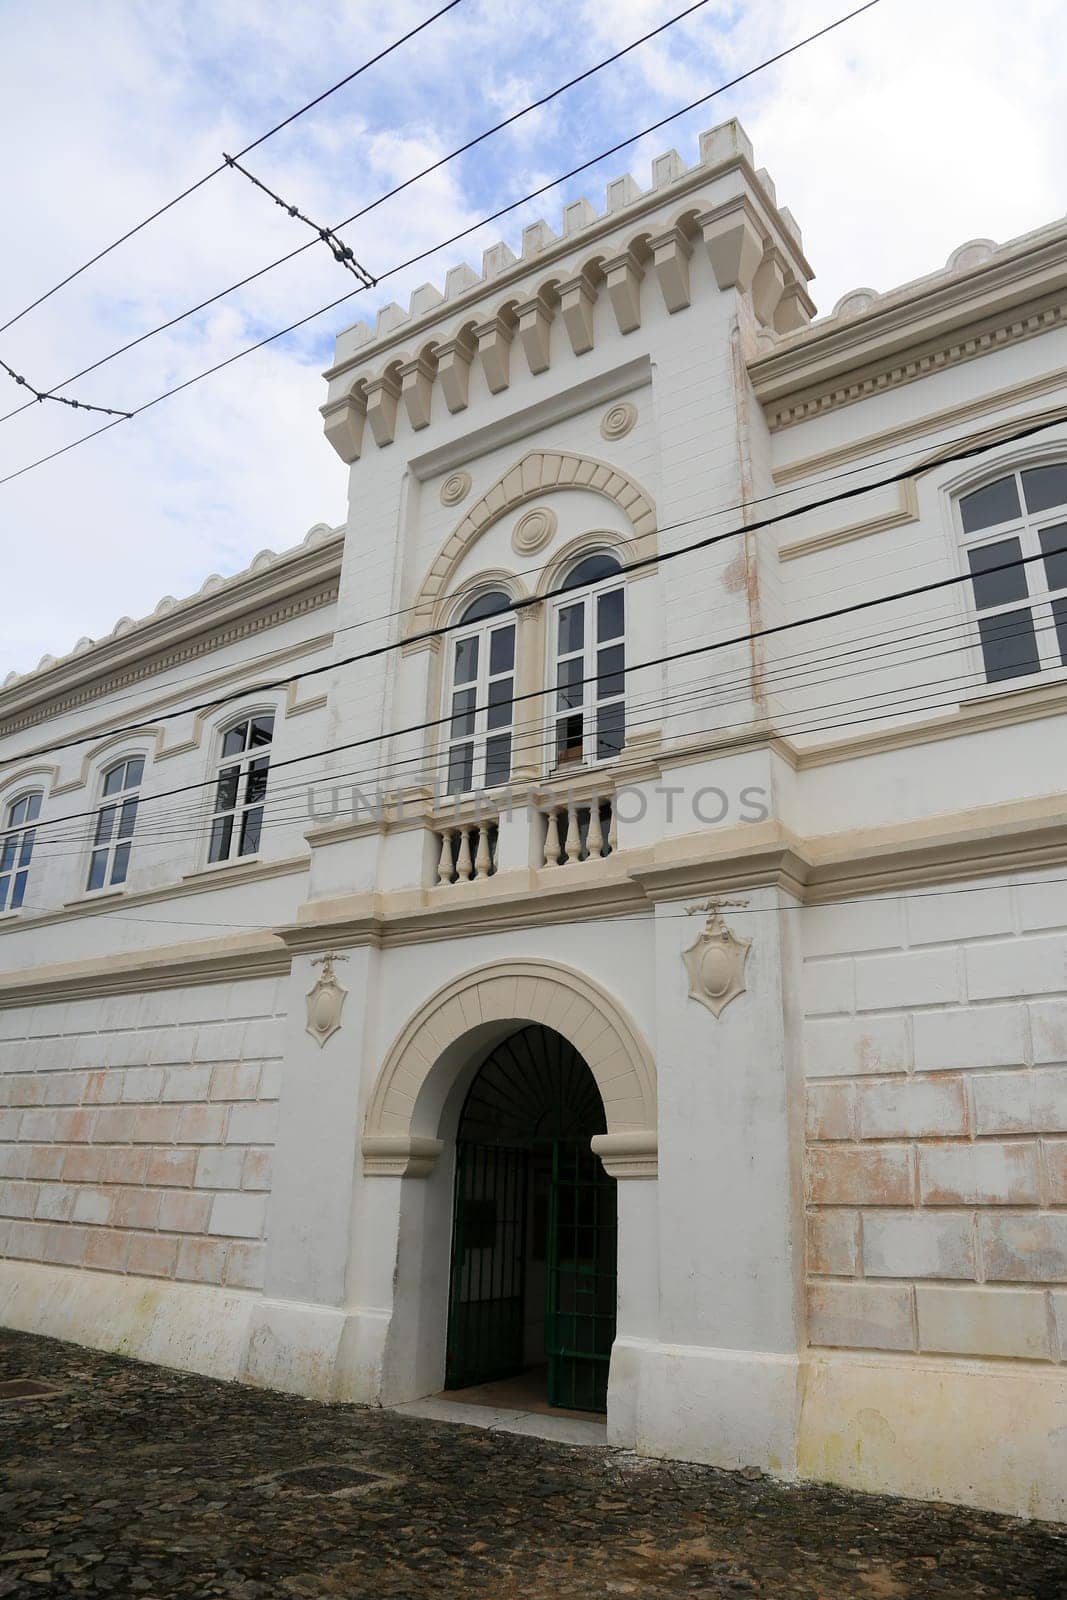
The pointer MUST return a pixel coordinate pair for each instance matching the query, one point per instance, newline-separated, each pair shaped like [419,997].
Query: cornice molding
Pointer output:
[259,955]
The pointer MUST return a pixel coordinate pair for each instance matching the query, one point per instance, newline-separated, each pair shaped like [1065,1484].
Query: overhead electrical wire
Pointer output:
[422,255]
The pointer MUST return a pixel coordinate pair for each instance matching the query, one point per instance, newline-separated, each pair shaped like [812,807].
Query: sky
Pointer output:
[916,126]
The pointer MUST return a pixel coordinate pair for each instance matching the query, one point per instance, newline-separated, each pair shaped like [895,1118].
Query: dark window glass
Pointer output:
[609,616]
[592,570]
[122,862]
[97,869]
[1054,550]
[251,826]
[571,629]
[497,760]
[234,742]
[486,605]
[501,650]
[7,856]
[609,664]
[127,818]
[226,789]
[256,782]
[18,893]
[610,730]
[569,675]
[462,712]
[997,588]
[1044,487]
[985,508]
[33,807]
[1059,617]
[466,661]
[569,738]
[26,850]
[262,732]
[105,822]
[1008,645]
[134,772]
[499,714]
[221,834]
[460,768]
[115,780]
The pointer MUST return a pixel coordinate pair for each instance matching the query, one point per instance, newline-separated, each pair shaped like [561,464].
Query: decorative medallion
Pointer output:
[616,423]
[326,1000]
[533,531]
[716,961]
[455,488]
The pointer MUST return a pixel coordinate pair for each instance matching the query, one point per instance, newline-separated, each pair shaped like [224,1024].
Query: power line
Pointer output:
[433,249]
[60,399]
[185,193]
[644,562]
[415,177]
[340,251]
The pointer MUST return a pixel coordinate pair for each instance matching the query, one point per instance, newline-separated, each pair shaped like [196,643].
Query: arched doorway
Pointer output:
[532,1285]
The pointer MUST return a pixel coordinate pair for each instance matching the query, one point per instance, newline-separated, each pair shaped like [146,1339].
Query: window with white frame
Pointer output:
[590,655]
[116,819]
[1021,604]
[479,696]
[16,849]
[241,788]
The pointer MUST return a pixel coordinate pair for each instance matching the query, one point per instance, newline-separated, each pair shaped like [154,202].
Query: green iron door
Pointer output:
[485,1325]
[580,1319]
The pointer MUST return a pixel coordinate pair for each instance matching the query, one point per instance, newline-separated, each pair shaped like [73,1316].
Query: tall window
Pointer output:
[590,712]
[115,822]
[481,688]
[1022,610]
[240,790]
[16,848]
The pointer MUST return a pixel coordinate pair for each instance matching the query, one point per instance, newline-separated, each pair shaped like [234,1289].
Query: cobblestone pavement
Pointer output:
[136,1482]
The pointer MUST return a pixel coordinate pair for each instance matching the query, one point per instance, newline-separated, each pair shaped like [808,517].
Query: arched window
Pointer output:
[241,788]
[479,693]
[16,848]
[115,822]
[1022,607]
[589,633]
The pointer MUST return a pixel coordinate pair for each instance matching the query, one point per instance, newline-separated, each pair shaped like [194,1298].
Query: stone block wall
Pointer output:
[137,1132]
[936,1061]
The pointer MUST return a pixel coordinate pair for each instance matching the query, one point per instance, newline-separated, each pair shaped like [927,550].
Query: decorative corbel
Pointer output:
[670,256]
[325,1001]
[454,359]
[794,309]
[382,396]
[623,274]
[343,424]
[535,328]
[577,297]
[494,346]
[716,960]
[768,286]
[416,386]
[734,244]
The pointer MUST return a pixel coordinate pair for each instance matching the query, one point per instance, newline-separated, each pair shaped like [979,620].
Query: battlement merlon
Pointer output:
[722,205]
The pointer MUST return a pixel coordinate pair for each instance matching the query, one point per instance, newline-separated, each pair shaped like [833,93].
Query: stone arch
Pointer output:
[520,991]
[539,472]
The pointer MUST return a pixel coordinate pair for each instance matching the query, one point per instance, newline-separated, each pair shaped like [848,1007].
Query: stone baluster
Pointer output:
[552,840]
[613,828]
[595,836]
[463,861]
[572,849]
[444,865]
[483,859]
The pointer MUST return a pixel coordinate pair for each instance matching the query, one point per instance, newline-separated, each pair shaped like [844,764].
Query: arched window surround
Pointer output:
[236,790]
[479,676]
[585,715]
[111,836]
[18,833]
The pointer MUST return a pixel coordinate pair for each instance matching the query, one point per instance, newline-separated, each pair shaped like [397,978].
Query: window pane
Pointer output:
[226,789]
[262,732]
[609,616]
[5,884]
[7,855]
[466,669]
[1044,487]
[460,768]
[27,847]
[997,502]
[127,818]
[569,738]
[1008,645]
[997,588]
[497,760]
[121,865]
[610,730]
[256,781]
[609,664]
[500,703]
[1054,550]
[1059,617]
[592,570]
[571,630]
[234,741]
[486,605]
[17,813]
[97,869]
[569,675]
[134,772]
[221,834]
[115,780]
[501,650]
[251,828]
[18,893]
[463,702]
[105,823]
[33,806]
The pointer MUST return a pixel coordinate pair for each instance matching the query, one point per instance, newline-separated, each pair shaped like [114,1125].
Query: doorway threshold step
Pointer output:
[534,1424]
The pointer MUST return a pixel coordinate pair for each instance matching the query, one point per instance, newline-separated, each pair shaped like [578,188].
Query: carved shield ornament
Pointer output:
[326,1000]
[715,961]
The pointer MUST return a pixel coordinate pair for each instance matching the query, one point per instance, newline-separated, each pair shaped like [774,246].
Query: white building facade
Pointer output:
[573,918]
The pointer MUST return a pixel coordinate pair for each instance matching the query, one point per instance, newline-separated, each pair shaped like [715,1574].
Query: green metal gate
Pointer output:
[529,1191]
